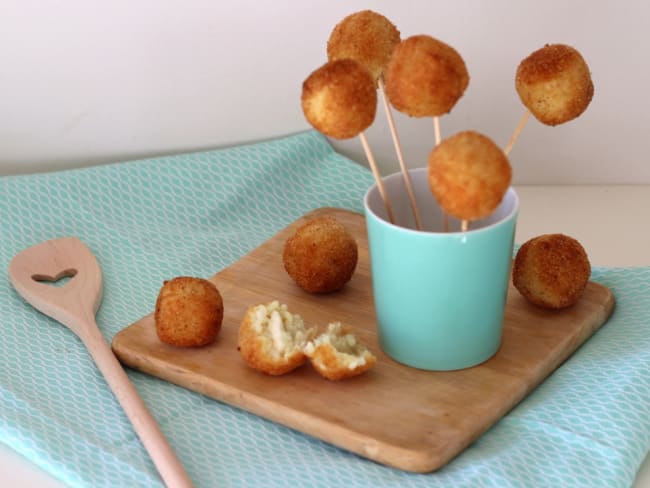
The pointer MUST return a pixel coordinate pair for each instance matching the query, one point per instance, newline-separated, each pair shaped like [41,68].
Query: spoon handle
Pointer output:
[170,468]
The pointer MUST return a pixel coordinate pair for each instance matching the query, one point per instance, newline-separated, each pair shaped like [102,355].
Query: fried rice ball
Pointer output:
[189,312]
[469,175]
[367,37]
[321,256]
[551,270]
[425,77]
[271,339]
[340,99]
[337,354]
[555,84]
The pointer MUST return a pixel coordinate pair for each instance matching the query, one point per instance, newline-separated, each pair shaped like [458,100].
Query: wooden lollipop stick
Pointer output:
[400,156]
[464,225]
[436,129]
[377,175]
[438,138]
[518,129]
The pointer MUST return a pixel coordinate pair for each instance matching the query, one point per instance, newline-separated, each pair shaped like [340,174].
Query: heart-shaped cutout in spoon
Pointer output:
[61,279]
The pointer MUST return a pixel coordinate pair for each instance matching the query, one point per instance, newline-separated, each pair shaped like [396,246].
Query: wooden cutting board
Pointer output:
[396,415]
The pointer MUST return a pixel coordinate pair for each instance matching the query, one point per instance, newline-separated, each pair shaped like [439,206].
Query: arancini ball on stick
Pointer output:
[367,37]
[339,99]
[555,84]
[425,77]
[469,175]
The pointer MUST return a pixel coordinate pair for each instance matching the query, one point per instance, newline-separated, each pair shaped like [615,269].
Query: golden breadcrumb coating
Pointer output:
[340,99]
[425,77]
[271,339]
[555,84]
[321,256]
[189,312]
[367,37]
[551,270]
[337,354]
[469,175]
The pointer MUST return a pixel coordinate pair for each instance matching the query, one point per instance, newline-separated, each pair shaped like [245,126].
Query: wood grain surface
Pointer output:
[403,417]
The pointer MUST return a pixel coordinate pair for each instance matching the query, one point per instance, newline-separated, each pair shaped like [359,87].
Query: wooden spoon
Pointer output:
[74,305]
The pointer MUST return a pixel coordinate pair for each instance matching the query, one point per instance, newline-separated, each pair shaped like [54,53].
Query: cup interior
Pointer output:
[431,215]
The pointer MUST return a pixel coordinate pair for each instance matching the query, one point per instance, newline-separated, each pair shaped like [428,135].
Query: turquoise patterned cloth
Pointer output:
[588,425]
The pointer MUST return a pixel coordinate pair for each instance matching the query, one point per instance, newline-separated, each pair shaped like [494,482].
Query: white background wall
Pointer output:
[86,82]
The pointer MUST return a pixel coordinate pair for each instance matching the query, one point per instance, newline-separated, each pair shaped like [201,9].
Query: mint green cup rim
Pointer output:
[439,296]
[480,225]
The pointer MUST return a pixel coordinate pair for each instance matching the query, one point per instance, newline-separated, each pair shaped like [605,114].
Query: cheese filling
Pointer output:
[349,351]
[286,332]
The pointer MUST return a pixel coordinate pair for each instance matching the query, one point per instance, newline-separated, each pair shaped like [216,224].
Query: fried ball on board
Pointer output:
[271,339]
[554,83]
[425,77]
[551,270]
[321,256]
[189,312]
[336,354]
[367,37]
[340,99]
[469,175]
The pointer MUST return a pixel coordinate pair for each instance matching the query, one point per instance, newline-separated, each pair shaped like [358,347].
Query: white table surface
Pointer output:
[609,221]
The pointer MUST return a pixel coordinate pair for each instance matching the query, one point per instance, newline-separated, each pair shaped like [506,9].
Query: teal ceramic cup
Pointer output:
[439,296]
